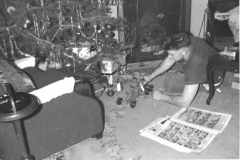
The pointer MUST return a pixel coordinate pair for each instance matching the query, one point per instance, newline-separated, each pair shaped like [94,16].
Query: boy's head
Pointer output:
[177,44]
[175,41]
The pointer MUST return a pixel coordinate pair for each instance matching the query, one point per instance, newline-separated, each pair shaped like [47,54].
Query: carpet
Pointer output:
[106,148]
[121,139]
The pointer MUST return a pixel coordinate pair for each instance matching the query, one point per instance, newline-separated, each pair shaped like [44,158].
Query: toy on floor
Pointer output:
[135,90]
[113,72]
[110,89]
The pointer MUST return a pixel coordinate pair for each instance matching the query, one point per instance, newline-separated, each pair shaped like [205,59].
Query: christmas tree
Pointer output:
[80,31]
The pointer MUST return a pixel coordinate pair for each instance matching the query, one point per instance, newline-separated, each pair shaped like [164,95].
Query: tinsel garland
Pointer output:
[45,25]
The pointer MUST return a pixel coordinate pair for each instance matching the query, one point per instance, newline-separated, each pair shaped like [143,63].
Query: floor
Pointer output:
[224,146]
[135,147]
[122,140]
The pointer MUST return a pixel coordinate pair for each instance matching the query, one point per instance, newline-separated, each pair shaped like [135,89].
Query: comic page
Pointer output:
[179,136]
[189,130]
[207,120]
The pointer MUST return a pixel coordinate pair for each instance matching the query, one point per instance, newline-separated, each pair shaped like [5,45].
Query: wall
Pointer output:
[197,13]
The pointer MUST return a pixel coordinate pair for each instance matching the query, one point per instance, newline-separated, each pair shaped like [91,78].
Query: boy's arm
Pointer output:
[164,66]
[183,100]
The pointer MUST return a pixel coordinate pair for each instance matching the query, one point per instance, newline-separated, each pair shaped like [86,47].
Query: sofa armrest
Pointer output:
[54,90]
[25,62]
[83,89]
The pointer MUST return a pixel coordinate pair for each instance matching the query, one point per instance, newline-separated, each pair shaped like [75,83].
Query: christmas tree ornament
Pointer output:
[80,53]
[113,43]
[109,26]
[95,27]
[113,2]
[98,28]
[68,64]
[85,53]
[79,26]
[99,43]
[99,31]
[27,23]
[79,33]
[111,34]
[10,9]
[92,48]
[160,15]
[116,2]
[99,49]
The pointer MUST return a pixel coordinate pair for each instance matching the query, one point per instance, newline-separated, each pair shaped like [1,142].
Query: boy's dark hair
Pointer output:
[175,41]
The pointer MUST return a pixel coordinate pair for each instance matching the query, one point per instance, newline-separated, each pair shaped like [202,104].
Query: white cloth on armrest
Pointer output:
[54,90]
[25,62]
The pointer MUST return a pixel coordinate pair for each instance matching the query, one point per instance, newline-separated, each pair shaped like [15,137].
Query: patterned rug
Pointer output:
[106,148]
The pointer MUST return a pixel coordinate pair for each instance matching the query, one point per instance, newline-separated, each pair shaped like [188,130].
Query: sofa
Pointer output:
[57,124]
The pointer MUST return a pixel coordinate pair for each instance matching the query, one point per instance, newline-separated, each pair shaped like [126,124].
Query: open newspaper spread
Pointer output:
[189,130]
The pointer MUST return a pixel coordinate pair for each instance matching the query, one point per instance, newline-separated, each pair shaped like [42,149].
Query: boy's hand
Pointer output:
[147,78]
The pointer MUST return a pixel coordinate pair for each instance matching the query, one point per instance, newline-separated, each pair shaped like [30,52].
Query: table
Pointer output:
[225,64]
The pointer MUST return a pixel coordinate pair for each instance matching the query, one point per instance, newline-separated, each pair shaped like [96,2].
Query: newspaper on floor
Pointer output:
[189,130]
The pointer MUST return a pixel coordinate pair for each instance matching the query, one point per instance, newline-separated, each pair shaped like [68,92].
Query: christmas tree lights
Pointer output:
[80,31]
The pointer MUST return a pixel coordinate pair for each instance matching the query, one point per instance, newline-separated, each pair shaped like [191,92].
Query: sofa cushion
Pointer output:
[44,78]
[9,73]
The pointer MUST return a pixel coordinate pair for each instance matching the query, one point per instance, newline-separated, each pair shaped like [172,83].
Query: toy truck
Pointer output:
[132,95]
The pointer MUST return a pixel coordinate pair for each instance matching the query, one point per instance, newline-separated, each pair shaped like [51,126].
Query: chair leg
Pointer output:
[98,135]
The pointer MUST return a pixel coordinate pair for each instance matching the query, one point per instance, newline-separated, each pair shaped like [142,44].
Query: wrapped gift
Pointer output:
[110,69]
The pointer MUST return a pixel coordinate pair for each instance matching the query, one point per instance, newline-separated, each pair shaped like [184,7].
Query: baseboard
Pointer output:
[143,65]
